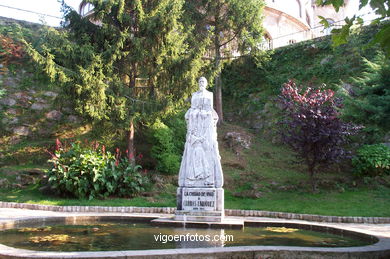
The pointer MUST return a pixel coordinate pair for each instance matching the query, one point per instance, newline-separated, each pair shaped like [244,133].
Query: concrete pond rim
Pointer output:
[380,249]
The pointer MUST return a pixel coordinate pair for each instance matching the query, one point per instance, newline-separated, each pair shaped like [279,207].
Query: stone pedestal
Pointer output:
[200,204]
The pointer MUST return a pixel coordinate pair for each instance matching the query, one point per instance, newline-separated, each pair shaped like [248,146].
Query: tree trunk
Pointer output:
[130,133]
[130,144]
[218,98]
[312,179]
[218,82]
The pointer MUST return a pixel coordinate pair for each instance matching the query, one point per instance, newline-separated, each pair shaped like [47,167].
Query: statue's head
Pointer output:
[202,83]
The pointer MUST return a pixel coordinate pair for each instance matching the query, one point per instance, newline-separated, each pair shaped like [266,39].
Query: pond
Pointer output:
[118,235]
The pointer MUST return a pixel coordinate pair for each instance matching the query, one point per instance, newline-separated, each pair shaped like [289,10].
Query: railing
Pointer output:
[288,39]
[315,32]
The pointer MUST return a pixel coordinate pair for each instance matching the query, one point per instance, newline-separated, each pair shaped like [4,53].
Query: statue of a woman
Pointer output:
[201,165]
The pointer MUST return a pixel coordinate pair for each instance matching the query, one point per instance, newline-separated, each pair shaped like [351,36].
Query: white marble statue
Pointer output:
[201,163]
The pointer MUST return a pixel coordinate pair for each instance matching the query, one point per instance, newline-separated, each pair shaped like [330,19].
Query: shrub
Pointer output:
[164,150]
[312,127]
[372,160]
[91,173]
[177,124]
[126,178]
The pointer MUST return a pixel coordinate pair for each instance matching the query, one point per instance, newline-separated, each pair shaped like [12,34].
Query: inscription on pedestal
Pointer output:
[199,199]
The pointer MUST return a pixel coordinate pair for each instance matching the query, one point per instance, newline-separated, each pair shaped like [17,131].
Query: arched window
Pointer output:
[85,8]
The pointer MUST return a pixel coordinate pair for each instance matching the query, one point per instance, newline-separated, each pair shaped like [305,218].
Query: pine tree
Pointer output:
[100,59]
[369,102]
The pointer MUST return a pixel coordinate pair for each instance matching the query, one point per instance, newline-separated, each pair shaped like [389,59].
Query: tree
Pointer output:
[381,9]
[312,127]
[100,59]
[369,101]
[230,25]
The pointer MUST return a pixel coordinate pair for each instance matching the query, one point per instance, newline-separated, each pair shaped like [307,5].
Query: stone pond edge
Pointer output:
[171,210]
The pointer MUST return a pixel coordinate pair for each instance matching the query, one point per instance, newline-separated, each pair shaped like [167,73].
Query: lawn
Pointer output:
[356,202]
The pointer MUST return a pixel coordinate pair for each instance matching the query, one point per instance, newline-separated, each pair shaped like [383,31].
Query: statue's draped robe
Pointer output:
[201,163]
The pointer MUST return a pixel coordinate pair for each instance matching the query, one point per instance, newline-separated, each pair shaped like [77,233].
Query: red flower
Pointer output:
[96,145]
[58,144]
[117,155]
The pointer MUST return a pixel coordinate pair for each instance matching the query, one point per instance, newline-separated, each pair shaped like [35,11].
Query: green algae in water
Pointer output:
[111,236]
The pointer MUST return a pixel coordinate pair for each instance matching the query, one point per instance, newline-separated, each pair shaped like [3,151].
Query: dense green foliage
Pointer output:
[134,63]
[310,62]
[87,173]
[164,150]
[343,69]
[368,102]
[372,160]
[230,25]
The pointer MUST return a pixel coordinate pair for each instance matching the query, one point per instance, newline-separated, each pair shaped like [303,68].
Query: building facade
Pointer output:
[290,21]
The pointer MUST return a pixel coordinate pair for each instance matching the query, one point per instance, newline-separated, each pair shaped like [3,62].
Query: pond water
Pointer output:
[111,236]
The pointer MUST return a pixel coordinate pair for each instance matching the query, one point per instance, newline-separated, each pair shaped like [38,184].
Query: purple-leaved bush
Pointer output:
[312,128]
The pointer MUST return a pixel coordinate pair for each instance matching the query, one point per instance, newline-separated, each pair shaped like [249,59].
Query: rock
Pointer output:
[73,119]
[30,176]
[22,95]
[67,110]
[325,60]
[10,82]
[22,131]
[268,107]
[248,194]
[236,138]
[267,155]
[14,140]
[13,121]
[12,111]
[50,94]
[258,125]
[54,115]
[4,183]
[34,172]
[39,106]
[276,139]
[8,101]
[237,165]
[17,186]
[40,100]
[349,88]
[47,189]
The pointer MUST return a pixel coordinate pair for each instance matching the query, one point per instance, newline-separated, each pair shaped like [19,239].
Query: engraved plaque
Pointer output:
[199,199]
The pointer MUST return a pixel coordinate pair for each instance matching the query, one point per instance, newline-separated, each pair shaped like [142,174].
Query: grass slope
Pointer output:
[265,177]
